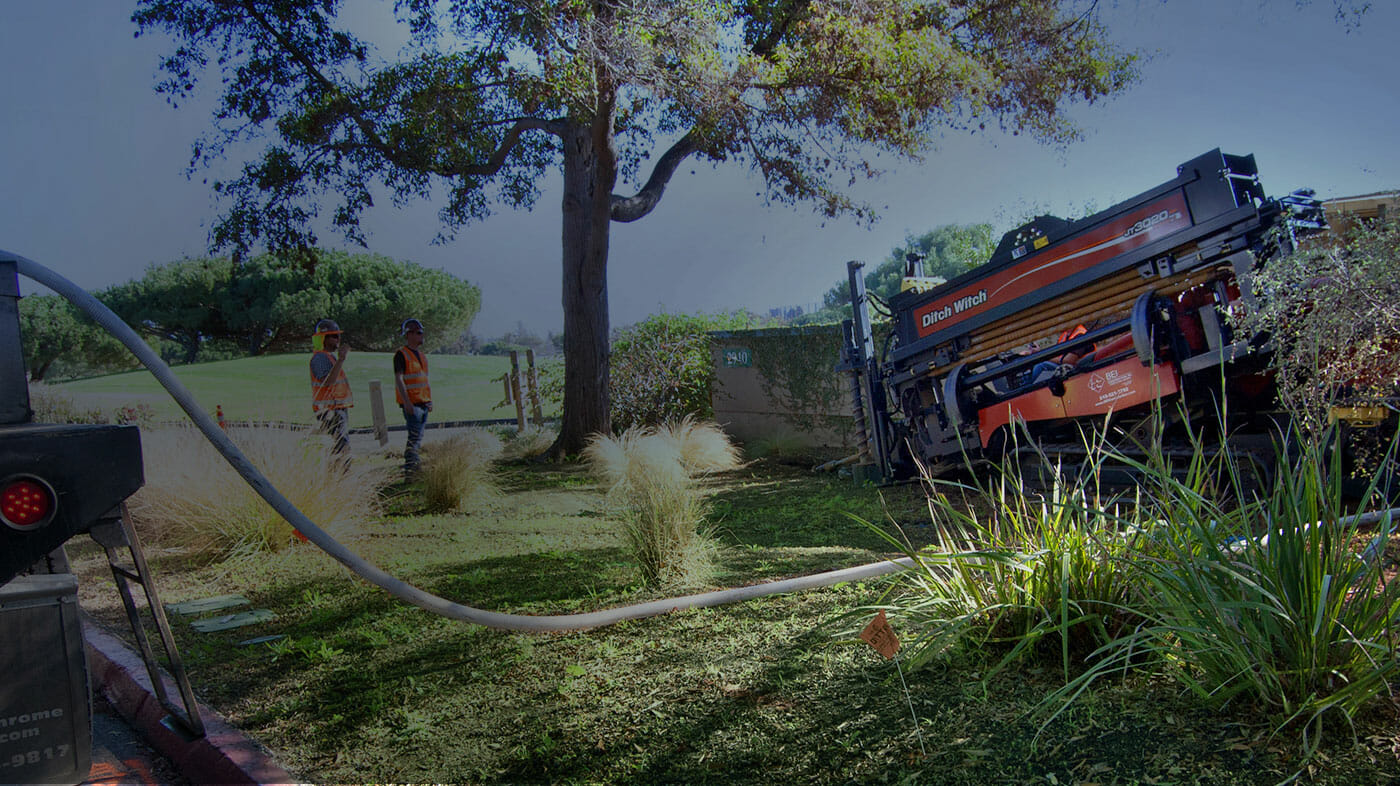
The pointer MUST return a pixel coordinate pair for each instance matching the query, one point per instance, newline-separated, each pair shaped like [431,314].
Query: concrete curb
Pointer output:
[223,756]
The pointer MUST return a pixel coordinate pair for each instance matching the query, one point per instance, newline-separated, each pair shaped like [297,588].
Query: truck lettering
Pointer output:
[956,307]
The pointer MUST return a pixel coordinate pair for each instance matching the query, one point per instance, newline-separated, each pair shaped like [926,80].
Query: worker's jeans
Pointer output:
[415,439]
[336,423]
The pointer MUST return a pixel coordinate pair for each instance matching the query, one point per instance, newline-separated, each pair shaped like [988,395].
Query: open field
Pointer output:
[364,688]
[277,388]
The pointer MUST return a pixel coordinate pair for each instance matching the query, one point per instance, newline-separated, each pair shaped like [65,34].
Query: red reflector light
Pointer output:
[26,502]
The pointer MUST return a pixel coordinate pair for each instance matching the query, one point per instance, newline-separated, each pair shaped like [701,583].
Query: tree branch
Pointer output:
[366,126]
[626,209]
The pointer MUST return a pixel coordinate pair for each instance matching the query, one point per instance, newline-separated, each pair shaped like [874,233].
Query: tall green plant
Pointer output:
[1033,570]
[1273,601]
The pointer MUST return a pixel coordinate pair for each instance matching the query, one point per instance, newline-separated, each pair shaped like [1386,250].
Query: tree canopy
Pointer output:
[493,95]
[267,305]
[55,336]
[948,250]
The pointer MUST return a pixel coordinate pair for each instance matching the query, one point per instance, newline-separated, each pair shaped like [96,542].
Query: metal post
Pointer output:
[869,367]
[14,388]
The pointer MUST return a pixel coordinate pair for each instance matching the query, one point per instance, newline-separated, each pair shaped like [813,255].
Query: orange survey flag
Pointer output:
[880,635]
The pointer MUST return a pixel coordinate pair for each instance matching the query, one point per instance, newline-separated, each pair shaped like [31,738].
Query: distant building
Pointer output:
[1345,210]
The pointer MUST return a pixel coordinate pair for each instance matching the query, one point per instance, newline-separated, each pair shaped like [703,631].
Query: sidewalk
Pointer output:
[132,746]
[120,757]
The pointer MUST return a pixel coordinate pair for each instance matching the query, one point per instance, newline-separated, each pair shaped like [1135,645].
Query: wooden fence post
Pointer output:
[376,411]
[534,385]
[515,390]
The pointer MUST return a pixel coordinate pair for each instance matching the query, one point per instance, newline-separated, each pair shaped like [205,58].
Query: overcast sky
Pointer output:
[93,162]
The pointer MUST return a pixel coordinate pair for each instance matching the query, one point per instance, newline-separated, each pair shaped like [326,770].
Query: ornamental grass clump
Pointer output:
[528,443]
[457,471]
[1034,574]
[1279,603]
[193,499]
[651,478]
[703,447]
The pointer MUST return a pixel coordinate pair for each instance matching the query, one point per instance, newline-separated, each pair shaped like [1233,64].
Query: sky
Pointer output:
[93,162]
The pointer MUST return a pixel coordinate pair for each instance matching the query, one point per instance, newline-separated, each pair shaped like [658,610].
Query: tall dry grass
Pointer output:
[527,444]
[194,500]
[457,471]
[651,477]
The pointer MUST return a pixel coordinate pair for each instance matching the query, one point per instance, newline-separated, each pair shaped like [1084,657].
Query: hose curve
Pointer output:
[370,572]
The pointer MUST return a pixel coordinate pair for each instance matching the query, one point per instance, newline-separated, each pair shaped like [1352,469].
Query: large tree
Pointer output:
[493,94]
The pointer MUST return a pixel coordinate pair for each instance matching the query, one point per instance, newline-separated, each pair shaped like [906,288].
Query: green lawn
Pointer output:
[364,688]
[277,388]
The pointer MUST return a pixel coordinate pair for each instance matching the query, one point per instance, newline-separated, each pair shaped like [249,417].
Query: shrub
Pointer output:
[51,405]
[649,474]
[1274,602]
[1267,597]
[1332,311]
[457,470]
[662,370]
[194,500]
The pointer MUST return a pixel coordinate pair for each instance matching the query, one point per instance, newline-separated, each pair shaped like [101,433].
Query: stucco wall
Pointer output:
[756,373]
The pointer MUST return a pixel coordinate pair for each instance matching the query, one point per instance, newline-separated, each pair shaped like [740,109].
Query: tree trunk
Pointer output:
[590,172]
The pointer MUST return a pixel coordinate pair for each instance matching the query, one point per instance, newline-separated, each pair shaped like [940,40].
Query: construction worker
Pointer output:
[330,390]
[411,391]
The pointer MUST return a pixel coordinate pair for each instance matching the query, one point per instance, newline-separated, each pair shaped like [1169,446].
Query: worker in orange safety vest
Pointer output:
[330,390]
[411,391]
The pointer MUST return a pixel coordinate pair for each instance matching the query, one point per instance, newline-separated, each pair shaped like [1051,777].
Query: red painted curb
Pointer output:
[223,756]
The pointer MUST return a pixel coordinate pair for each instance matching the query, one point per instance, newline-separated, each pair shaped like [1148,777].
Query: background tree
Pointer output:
[949,250]
[268,304]
[55,337]
[494,94]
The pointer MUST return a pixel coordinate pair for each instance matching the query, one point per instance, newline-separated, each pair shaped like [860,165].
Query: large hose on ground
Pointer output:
[367,570]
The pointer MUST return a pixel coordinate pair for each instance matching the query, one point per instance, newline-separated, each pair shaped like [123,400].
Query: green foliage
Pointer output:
[485,108]
[1038,573]
[1332,310]
[53,405]
[216,308]
[949,250]
[796,371]
[662,369]
[1274,603]
[58,341]
[1267,598]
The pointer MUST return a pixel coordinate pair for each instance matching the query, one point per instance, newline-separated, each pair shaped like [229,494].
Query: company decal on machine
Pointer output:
[1111,385]
[956,307]
[1152,221]
[1035,269]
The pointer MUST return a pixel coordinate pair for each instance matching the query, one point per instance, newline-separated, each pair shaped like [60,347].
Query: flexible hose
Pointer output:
[372,573]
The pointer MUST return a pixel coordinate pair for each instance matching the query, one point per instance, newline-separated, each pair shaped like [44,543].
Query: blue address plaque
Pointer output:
[738,357]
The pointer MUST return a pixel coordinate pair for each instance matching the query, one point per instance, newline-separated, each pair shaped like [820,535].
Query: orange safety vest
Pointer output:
[330,393]
[415,378]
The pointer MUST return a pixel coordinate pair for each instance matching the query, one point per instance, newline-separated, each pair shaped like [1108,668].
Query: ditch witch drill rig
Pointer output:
[1072,323]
